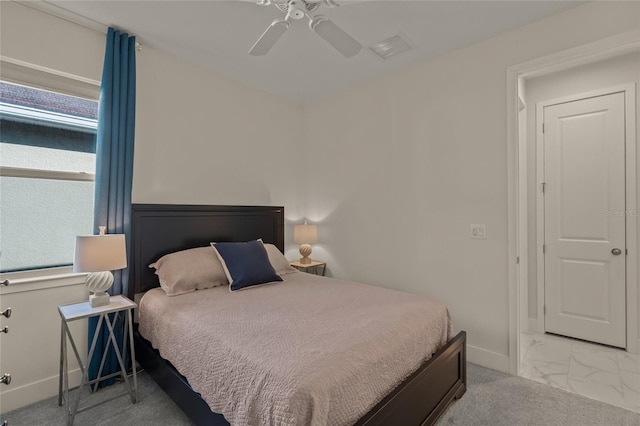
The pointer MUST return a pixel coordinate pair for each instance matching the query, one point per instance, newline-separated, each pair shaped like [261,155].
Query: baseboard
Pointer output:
[17,397]
[486,358]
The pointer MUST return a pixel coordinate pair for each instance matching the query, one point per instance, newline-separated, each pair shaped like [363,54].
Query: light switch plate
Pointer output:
[478,231]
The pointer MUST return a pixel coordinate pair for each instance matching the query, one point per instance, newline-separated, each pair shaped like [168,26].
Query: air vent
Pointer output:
[392,46]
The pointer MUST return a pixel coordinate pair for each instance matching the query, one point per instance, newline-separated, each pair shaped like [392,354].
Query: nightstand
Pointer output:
[78,311]
[304,267]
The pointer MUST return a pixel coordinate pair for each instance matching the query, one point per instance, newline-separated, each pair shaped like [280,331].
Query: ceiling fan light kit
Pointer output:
[296,10]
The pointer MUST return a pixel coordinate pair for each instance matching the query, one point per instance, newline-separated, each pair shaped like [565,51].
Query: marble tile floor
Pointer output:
[595,371]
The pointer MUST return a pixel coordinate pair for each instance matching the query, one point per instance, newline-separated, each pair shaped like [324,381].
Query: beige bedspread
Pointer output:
[306,351]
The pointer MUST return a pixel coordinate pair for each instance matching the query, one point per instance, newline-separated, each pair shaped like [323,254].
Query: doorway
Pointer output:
[583,197]
[554,360]
[523,274]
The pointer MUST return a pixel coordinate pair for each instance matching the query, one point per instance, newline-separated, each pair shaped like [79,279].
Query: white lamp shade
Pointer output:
[98,253]
[305,234]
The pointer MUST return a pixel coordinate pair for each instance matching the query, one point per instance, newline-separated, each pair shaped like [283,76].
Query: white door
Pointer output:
[584,205]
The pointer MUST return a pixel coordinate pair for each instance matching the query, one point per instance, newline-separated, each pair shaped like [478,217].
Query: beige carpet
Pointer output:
[492,399]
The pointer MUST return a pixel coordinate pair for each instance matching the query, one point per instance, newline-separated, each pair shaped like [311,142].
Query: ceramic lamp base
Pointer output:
[98,283]
[99,299]
[305,251]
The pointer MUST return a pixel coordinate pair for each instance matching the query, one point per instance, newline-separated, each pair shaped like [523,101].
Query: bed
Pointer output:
[161,229]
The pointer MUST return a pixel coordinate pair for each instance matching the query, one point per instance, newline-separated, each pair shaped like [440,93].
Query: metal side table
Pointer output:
[84,310]
[305,267]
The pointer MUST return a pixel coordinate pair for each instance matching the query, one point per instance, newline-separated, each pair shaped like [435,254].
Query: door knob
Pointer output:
[616,252]
[7,314]
[4,329]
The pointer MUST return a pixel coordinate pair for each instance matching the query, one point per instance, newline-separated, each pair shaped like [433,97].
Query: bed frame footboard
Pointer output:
[419,400]
[427,393]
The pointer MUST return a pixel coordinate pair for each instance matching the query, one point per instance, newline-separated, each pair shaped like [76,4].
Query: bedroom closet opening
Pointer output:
[577,282]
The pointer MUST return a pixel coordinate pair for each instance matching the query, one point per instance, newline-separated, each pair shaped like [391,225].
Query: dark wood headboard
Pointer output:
[159,229]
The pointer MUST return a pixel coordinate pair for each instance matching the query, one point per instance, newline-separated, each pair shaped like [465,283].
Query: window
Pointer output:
[47,166]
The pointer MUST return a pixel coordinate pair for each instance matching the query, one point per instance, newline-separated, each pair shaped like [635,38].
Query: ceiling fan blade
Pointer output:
[269,37]
[335,36]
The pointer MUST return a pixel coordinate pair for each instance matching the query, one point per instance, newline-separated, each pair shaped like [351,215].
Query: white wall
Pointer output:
[600,75]
[399,167]
[202,138]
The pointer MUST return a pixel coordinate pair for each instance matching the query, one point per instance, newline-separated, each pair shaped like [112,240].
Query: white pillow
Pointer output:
[189,270]
[278,261]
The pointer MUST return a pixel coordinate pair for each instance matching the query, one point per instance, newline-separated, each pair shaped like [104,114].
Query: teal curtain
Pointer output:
[114,170]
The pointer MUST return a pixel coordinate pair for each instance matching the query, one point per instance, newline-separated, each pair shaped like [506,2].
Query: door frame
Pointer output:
[629,91]
[517,183]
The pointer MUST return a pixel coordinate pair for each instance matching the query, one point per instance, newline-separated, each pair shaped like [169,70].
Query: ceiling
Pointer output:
[302,66]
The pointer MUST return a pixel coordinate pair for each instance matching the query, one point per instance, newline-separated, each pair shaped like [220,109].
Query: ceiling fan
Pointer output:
[296,10]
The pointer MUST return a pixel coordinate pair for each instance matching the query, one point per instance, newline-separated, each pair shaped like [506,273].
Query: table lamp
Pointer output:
[305,235]
[99,255]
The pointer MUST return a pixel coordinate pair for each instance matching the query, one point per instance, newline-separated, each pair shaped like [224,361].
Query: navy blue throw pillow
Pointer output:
[246,264]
